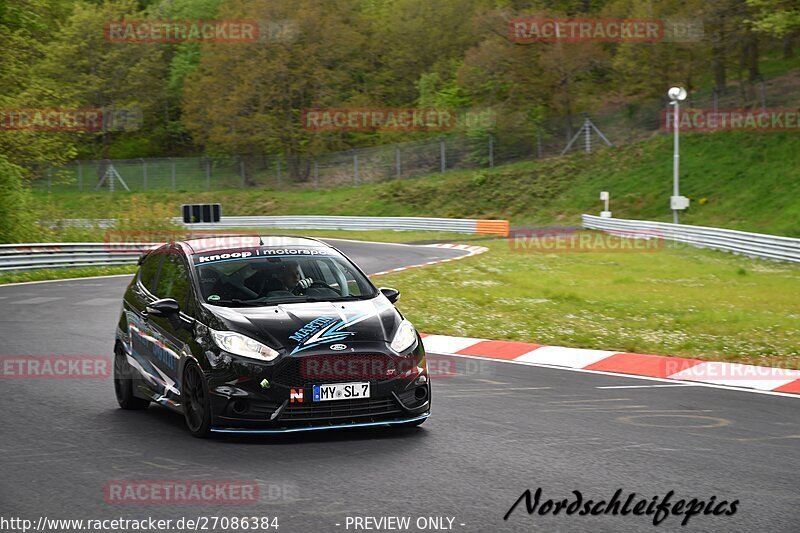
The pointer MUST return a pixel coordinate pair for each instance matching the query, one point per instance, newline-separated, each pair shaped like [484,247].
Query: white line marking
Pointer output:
[37,300]
[739,374]
[485,393]
[677,411]
[616,448]
[575,408]
[590,400]
[629,376]
[647,386]
[99,301]
[445,342]
[500,389]
[372,242]
[560,356]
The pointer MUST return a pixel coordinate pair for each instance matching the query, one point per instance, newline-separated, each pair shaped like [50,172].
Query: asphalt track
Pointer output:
[496,430]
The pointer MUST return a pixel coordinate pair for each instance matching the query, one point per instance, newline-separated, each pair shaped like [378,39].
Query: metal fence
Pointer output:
[739,242]
[514,140]
[334,169]
[69,255]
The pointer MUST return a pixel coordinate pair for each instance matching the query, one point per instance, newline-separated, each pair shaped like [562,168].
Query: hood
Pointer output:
[301,327]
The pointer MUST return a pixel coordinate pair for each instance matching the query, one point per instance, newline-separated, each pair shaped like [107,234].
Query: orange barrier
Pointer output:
[492,227]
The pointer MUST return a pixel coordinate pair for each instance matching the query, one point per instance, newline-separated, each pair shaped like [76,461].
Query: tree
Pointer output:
[26,27]
[261,89]
[82,68]
[17,221]
[775,17]
[779,18]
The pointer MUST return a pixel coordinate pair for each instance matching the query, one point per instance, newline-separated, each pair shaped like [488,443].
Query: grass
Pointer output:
[676,301]
[64,273]
[673,301]
[739,180]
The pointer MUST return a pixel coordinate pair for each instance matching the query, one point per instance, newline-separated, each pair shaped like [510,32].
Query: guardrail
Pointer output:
[358,223]
[70,254]
[61,255]
[739,242]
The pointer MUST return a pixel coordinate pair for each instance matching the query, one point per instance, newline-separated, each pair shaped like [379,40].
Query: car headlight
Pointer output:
[239,344]
[406,336]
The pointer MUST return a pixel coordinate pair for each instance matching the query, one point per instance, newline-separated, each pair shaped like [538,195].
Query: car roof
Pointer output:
[226,242]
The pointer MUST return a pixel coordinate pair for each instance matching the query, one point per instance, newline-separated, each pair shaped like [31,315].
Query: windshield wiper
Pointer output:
[236,301]
[337,299]
[296,300]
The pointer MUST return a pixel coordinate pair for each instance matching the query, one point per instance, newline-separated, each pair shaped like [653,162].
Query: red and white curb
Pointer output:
[724,375]
[471,250]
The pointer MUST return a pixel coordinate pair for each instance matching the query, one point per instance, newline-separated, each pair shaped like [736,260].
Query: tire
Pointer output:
[123,385]
[196,402]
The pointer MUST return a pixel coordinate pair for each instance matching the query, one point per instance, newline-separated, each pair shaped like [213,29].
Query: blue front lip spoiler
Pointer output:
[343,426]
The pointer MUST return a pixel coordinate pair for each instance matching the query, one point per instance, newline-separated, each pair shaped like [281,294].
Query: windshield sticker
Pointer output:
[213,298]
[323,330]
[263,252]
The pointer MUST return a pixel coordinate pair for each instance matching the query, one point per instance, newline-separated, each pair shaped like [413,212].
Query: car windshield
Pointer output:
[269,276]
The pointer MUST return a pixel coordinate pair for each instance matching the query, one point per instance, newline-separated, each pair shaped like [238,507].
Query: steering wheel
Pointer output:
[314,285]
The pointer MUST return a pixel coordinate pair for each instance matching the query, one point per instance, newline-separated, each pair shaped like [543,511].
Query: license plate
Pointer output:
[340,391]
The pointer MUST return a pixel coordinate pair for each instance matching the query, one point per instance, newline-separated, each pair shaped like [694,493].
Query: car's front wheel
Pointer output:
[195,401]
[123,385]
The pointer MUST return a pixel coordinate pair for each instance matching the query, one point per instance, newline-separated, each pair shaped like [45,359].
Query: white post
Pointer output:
[676,161]
[397,161]
[604,197]
[588,139]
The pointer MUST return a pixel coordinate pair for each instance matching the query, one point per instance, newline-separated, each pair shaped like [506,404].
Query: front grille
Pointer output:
[340,409]
[335,368]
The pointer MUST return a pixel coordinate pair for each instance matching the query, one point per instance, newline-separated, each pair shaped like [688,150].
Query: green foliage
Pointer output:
[776,17]
[17,221]
[26,28]
[87,70]
[140,215]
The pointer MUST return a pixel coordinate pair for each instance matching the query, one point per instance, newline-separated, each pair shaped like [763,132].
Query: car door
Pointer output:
[169,333]
[135,306]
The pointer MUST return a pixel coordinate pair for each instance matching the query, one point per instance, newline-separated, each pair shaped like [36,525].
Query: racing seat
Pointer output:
[264,281]
[211,283]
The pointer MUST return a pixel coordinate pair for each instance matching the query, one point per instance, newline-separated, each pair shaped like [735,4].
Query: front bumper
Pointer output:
[240,402]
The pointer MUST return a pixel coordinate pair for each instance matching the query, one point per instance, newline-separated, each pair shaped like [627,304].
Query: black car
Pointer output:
[272,334]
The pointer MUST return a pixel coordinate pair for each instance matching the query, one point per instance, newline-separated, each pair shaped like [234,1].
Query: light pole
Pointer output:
[677,202]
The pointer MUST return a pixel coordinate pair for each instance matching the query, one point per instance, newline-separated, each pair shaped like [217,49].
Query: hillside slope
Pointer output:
[748,181]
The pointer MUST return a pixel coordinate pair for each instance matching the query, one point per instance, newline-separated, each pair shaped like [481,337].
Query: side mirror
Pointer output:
[164,307]
[391,294]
